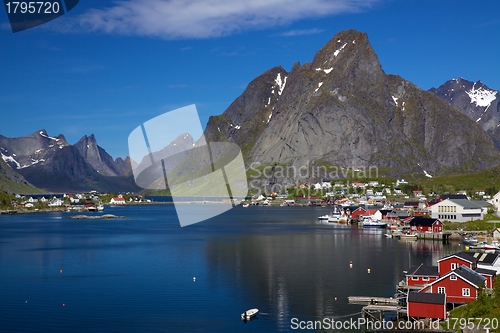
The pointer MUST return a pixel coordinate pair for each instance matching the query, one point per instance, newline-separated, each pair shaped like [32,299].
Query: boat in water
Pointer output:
[249,314]
[408,236]
[486,247]
[369,223]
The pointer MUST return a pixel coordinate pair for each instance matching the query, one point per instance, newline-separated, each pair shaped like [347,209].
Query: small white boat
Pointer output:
[408,236]
[369,223]
[323,217]
[249,314]
[245,205]
[100,207]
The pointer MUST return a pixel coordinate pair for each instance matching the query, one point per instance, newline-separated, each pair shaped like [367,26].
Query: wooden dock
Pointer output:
[372,300]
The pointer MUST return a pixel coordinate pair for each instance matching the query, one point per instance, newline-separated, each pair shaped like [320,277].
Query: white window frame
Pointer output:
[425,278]
[466,292]
[441,290]
[453,266]
[453,277]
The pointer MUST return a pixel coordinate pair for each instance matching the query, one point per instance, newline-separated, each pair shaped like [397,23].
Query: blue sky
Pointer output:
[108,66]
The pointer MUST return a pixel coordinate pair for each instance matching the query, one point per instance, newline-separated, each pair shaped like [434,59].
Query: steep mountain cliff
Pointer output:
[343,110]
[475,100]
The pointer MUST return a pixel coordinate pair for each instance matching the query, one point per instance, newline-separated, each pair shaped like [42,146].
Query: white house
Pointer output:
[56,202]
[458,210]
[117,201]
[495,201]
[496,234]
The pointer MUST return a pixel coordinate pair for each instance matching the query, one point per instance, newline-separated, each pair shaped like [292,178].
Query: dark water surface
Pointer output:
[135,274]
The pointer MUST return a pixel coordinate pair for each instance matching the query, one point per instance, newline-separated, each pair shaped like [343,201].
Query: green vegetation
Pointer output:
[487,180]
[477,225]
[5,200]
[486,306]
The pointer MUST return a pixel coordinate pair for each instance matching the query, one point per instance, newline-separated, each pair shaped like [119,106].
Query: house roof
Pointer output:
[423,270]
[429,298]
[484,271]
[466,204]
[469,275]
[425,221]
[463,272]
[484,258]
[462,255]
[481,203]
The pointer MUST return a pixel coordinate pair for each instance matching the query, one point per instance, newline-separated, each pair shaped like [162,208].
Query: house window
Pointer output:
[465,292]
[425,278]
[453,277]
[453,266]
[442,290]
[414,278]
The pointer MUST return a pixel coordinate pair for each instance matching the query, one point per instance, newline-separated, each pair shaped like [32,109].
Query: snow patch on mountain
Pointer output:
[482,97]
[336,53]
[10,159]
[281,83]
[327,71]
[46,136]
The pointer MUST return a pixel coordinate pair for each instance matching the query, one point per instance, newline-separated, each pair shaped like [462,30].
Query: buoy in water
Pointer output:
[350,264]
[368,270]
[194,278]
[60,271]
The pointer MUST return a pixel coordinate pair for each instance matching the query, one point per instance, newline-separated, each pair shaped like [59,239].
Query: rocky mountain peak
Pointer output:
[342,110]
[476,100]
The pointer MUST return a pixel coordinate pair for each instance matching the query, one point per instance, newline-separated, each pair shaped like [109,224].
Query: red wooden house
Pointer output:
[489,275]
[421,275]
[425,224]
[360,211]
[460,285]
[425,305]
[453,261]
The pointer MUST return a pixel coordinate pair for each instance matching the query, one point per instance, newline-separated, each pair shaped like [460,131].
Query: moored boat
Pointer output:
[369,223]
[405,236]
[249,314]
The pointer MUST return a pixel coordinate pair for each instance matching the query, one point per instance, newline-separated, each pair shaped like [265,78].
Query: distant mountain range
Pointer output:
[51,164]
[340,110]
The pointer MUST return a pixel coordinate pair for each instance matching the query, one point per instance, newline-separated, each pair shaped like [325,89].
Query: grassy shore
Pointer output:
[477,225]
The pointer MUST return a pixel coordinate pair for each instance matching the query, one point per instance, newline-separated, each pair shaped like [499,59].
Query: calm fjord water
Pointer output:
[135,274]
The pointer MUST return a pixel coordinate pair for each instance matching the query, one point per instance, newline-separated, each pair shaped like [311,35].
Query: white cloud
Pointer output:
[177,19]
[293,33]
